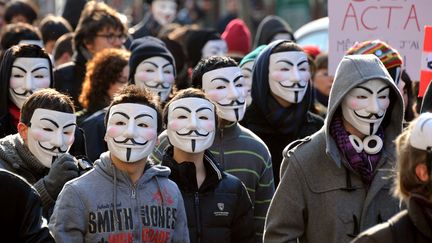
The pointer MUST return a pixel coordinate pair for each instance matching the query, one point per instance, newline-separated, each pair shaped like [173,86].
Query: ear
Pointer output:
[22,130]
[422,172]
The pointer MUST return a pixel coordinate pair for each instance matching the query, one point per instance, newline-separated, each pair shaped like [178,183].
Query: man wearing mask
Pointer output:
[39,151]
[137,200]
[337,182]
[238,150]
[281,98]
[191,120]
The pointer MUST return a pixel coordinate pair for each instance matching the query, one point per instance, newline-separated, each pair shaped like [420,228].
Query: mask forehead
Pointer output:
[191,104]
[132,110]
[214,48]
[57,118]
[294,57]
[281,36]
[31,63]
[157,62]
[228,74]
[370,87]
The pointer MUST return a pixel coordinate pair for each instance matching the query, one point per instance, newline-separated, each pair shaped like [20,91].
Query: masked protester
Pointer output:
[162,12]
[138,199]
[412,184]
[239,151]
[39,151]
[336,183]
[24,69]
[281,98]
[217,204]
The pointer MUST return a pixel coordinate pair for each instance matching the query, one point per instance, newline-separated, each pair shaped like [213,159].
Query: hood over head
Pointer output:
[269,27]
[352,71]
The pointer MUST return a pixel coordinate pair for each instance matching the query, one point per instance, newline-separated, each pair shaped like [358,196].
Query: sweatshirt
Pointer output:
[150,211]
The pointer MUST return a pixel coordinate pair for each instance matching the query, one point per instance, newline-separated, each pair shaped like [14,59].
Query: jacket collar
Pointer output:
[230,131]
[184,174]
[418,216]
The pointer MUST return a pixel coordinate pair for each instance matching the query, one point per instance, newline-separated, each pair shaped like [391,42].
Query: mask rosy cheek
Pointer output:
[209,125]
[174,125]
[45,83]
[150,135]
[70,140]
[170,78]
[112,131]
[277,76]
[215,95]
[39,135]
[143,77]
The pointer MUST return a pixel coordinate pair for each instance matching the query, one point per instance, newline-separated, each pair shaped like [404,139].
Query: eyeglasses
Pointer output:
[111,37]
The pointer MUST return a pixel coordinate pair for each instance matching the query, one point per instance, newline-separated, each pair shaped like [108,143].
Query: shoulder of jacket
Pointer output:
[290,148]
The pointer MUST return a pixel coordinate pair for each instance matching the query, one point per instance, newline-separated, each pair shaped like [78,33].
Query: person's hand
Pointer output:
[62,170]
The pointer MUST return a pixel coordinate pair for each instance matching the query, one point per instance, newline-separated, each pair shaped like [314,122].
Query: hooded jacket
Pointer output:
[319,198]
[150,211]
[260,117]
[269,27]
[219,210]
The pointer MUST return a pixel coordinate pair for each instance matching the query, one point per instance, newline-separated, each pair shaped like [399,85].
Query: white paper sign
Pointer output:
[397,22]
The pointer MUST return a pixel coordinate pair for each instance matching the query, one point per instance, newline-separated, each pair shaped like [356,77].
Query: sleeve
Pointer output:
[243,218]
[263,195]
[181,231]
[68,221]
[285,220]
[158,151]
[33,228]
[47,200]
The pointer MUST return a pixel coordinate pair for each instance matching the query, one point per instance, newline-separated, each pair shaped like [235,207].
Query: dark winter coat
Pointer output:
[21,211]
[148,26]
[68,78]
[219,210]
[408,226]
[94,130]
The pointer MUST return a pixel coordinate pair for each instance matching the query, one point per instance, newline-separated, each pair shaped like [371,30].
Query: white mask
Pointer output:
[28,74]
[191,124]
[247,75]
[131,131]
[226,87]
[157,75]
[214,48]
[50,134]
[289,75]
[164,11]
[364,106]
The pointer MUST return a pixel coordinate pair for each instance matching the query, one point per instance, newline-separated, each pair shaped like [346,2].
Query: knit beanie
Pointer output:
[195,41]
[252,55]
[147,47]
[238,37]
[389,57]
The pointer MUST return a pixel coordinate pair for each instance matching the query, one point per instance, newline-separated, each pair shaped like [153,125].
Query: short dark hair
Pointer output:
[133,94]
[63,45]
[52,27]
[207,65]
[95,17]
[24,8]
[187,93]
[12,34]
[49,99]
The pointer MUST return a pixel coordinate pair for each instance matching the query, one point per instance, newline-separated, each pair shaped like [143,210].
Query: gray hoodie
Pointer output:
[150,211]
[319,198]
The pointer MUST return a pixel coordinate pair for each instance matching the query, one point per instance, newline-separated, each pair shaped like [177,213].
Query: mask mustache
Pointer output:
[53,149]
[233,103]
[157,86]
[134,142]
[294,85]
[193,131]
[370,116]
[25,93]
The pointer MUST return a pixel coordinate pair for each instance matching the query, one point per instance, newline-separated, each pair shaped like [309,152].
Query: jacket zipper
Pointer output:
[133,192]
[221,150]
[197,217]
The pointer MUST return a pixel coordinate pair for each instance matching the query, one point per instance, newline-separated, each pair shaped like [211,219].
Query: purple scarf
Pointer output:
[362,163]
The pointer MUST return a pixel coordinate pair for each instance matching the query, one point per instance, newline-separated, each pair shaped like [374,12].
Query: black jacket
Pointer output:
[408,226]
[68,78]
[94,130]
[220,210]
[21,211]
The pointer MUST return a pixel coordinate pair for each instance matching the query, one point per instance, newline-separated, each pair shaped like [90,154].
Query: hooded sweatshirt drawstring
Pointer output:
[115,196]
[160,190]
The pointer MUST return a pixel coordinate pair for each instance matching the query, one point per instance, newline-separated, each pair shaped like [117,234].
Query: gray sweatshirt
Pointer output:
[150,211]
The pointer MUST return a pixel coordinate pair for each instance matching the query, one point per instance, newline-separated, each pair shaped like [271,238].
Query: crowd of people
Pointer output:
[173,132]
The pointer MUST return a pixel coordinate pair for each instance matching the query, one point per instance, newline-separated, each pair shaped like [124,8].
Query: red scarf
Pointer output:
[14,112]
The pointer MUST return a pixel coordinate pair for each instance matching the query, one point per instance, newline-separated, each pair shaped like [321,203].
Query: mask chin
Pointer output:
[18,100]
[130,154]
[366,128]
[231,114]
